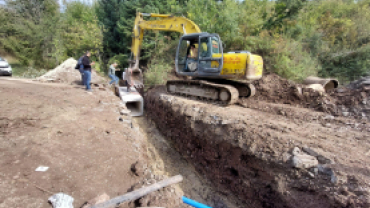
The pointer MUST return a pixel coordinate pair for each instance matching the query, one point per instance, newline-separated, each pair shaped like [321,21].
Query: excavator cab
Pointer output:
[208,60]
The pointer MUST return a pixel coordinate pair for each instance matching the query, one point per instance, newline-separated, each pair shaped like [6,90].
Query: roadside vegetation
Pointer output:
[296,38]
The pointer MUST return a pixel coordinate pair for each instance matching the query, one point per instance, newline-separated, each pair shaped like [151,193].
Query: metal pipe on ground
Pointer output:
[327,83]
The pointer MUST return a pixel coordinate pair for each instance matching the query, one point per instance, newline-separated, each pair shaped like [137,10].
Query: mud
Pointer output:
[246,150]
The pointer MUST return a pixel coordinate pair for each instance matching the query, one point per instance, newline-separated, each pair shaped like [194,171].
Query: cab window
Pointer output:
[215,45]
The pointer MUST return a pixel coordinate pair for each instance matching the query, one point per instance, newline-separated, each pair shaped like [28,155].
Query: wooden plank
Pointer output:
[140,192]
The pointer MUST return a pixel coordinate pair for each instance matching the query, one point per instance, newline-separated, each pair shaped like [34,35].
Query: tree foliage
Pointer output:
[27,30]
[296,38]
[38,34]
[78,31]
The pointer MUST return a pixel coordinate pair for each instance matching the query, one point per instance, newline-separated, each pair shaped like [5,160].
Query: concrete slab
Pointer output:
[133,100]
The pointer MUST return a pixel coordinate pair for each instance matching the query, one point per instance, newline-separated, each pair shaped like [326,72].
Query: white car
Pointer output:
[5,68]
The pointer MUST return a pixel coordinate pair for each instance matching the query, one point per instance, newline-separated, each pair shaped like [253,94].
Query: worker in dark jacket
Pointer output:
[87,70]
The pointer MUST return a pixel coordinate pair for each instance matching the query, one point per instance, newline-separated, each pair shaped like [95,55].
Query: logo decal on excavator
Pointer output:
[233,71]
[232,60]
[159,26]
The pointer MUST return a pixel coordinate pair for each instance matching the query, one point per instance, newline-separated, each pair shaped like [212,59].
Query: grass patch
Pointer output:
[32,73]
[157,74]
[17,68]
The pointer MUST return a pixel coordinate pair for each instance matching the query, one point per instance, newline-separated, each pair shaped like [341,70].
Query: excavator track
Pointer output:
[200,89]
[245,89]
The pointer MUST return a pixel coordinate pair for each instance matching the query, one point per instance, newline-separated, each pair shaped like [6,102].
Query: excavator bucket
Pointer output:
[137,79]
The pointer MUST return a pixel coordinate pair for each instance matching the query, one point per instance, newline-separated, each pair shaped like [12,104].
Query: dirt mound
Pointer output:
[268,159]
[66,73]
[273,88]
[345,101]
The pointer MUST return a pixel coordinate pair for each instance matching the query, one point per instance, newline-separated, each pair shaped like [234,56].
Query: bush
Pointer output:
[283,56]
[157,74]
[32,73]
[346,65]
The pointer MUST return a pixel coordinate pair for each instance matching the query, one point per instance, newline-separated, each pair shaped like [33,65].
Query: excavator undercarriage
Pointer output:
[225,92]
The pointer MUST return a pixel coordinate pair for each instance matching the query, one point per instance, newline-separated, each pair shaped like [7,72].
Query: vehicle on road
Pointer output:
[5,68]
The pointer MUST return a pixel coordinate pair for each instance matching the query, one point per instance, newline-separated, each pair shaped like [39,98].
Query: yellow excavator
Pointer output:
[216,76]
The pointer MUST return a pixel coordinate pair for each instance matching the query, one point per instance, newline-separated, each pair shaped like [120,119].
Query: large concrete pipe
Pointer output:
[328,83]
[133,100]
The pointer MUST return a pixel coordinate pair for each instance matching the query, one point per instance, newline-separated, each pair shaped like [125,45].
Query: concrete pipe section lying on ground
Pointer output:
[328,83]
[133,100]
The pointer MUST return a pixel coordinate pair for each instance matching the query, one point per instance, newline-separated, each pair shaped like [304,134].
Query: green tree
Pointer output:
[108,14]
[117,17]
[78,31]
[28,30]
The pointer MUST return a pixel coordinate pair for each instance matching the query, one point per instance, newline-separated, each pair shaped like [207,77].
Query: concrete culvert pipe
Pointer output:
[327,83]
[133,100]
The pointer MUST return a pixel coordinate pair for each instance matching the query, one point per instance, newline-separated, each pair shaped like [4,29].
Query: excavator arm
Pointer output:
[165,23]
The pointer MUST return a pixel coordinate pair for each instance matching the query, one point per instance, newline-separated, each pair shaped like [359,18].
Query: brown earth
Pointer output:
[343,101]
[236,156]
[78,135]
[74,133]
[247,150]
[165,160]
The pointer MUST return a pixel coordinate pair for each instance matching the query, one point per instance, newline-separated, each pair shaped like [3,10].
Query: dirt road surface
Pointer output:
[74,133]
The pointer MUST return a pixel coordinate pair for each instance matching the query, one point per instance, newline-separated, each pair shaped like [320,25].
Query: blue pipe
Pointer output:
[194,203]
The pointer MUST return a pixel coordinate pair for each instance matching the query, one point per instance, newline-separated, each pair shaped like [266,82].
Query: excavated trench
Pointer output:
[246,152]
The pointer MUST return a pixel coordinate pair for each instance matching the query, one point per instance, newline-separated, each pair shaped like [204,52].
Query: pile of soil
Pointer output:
[345,101]
[66,73]
[273,88]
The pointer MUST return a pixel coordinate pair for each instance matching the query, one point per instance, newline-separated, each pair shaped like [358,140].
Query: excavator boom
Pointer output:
[165,22]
